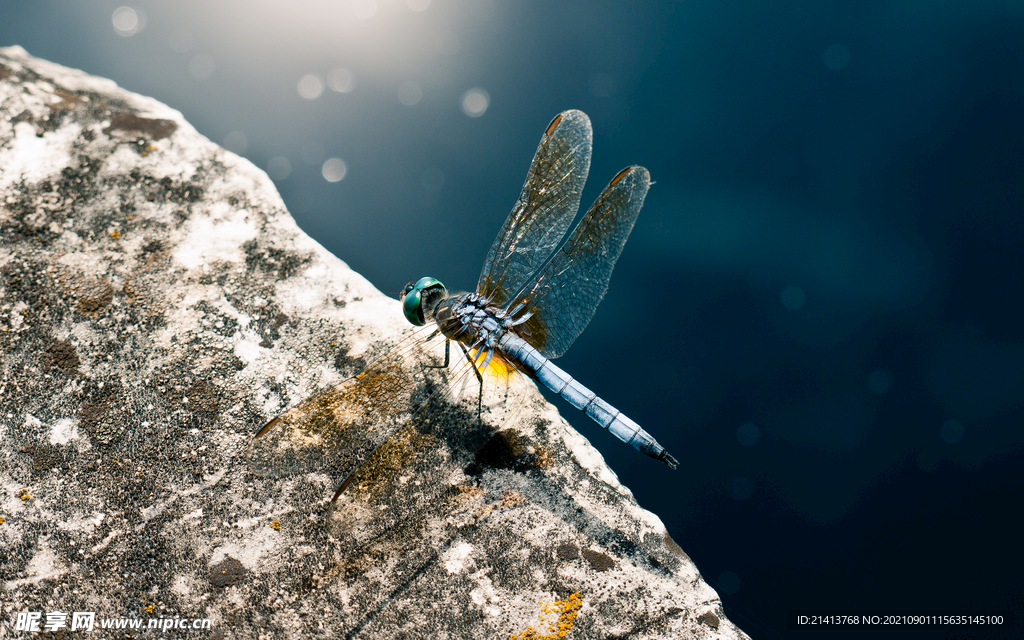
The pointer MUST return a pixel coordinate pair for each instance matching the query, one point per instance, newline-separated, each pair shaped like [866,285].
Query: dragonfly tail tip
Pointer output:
[669,460]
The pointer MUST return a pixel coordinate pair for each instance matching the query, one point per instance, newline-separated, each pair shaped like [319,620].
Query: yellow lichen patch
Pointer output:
[483,511]
[511,498]
[275,525]
[565,612]
[468,490]
[24,495]
[150,608]
[115,234]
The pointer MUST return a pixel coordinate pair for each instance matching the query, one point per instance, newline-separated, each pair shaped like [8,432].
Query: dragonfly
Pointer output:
[535,295]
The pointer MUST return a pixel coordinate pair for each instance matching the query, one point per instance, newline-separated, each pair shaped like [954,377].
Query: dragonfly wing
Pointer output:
[544,211]
[566,292]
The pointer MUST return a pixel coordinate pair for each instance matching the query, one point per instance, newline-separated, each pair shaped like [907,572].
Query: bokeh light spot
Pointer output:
[728,582]
[236,142]
[364,9]
[341,80]
[836,57]
[310,86]
[279,168]
[128,21]
[793,298]
[418,5]
[748,434]
[334,169]
[741,488]
[433,179]
[879,382]
[951,431]
[201,66]
[409,93]
[475,102]
[601,85]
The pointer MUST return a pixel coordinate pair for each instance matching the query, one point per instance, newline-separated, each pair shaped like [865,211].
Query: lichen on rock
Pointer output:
[158,305]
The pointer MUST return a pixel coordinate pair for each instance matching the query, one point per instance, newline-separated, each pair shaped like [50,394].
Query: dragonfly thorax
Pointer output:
[473,321]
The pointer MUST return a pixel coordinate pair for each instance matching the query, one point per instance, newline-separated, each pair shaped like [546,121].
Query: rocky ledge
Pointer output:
[158,305]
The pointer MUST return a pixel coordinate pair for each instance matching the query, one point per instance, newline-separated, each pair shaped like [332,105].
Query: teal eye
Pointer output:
[427,292]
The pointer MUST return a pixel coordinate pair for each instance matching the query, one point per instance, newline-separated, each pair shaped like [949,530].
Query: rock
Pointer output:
[158,305]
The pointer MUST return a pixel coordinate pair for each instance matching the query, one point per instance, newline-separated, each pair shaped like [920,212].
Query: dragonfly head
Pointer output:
[419,300]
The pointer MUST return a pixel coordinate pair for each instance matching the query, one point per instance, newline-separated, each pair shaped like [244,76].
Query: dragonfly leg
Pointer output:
[480,379]
[447,348]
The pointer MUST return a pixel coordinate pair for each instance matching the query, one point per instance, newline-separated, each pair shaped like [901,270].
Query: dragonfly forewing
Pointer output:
[545,209]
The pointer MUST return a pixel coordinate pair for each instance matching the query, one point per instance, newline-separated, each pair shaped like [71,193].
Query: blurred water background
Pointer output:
[819,310]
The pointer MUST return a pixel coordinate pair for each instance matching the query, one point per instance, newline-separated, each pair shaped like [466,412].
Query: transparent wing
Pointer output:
[546,207]
[566,292]
[375,421]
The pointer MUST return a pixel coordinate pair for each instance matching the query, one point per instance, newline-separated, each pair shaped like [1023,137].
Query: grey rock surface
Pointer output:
[158,305]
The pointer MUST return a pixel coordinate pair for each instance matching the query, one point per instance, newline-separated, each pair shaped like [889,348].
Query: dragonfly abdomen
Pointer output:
[530,361]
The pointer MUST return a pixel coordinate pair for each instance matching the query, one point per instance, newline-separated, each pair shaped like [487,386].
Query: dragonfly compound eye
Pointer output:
[420,299]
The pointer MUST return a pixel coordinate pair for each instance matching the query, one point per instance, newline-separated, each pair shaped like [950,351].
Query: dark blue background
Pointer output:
[832,250]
